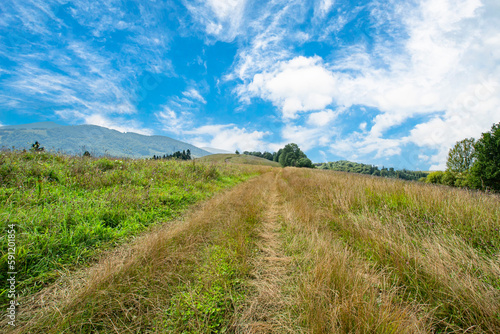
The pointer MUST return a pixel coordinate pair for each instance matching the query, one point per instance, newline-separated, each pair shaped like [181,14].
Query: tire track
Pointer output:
[266,309]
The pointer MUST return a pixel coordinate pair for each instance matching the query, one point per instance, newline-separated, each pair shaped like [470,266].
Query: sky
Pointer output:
[392,83]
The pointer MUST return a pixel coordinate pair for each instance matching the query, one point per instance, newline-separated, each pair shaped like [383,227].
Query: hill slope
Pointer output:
[239,159]
[293,251]
[76,139]
[355,167]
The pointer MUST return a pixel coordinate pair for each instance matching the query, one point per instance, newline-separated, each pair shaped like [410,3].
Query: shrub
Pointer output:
[435,177]
[104,164]
[448,178]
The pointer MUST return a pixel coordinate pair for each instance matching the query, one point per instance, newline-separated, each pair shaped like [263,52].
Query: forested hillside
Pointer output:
[354,167]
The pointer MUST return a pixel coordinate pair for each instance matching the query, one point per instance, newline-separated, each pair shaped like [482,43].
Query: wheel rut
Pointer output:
[266,309]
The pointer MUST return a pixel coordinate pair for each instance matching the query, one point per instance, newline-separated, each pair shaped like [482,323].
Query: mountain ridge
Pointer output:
[99,141]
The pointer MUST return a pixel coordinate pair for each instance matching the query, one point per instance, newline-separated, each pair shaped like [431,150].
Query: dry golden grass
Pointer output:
[239,159]
[393,256]
[267,308]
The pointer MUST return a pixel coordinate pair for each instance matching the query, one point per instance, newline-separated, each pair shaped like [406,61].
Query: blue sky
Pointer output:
[392,83]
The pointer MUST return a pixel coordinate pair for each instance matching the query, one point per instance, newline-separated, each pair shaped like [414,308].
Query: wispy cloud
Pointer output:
[81,79]
[220,19]
[401,78]
[428,71]
[180,116]
[193,94]
[174,122]
[119,124]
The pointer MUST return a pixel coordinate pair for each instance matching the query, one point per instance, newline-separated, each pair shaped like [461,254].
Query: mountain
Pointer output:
[39,125]
[76,139]
[215,150]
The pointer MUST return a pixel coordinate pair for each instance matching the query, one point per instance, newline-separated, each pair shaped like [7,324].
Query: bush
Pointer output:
[104,164]
[448,178]
[435,177]
[463,180]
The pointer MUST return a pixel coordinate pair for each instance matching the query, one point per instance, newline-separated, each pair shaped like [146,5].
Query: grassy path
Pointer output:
[298,251]
[266,311]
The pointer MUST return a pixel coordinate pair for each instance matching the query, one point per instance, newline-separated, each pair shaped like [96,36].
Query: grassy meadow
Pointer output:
[288,251]
[67,210]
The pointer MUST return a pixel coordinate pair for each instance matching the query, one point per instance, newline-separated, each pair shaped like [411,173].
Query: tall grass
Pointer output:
[67,210]
[393,256]
[293,250]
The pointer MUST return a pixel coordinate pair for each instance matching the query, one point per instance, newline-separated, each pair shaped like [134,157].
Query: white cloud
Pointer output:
[192,93]
[174,122]
[121,125]
[301,84]
[221,19]
[321,118]
[176,118]
[307,137]
[448,65]
[268,35]
[228,137]
[323,7]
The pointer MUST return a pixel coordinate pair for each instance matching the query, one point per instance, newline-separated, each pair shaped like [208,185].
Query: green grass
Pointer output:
[239,159]
[67,210]
[356,254]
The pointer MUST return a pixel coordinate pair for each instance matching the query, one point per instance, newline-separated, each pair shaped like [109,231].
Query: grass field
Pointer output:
[67,210]
[292,251]
[239,159]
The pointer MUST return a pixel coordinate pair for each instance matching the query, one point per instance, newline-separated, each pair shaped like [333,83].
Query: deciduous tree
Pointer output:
[461,156]
[486,169]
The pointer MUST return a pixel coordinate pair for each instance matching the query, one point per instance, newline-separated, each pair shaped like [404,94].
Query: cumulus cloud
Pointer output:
[301,84]
[228,137]
[122,125]
[447,66]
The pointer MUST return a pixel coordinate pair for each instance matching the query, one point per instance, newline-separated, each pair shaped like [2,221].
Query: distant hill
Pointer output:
[76,139]
[215,150]
[355,167]
[39,125]
[239,159]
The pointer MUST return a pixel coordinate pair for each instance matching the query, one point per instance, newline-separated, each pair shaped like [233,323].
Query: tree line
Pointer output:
[472,163]
[354,167]
[289,156]
[184,155]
